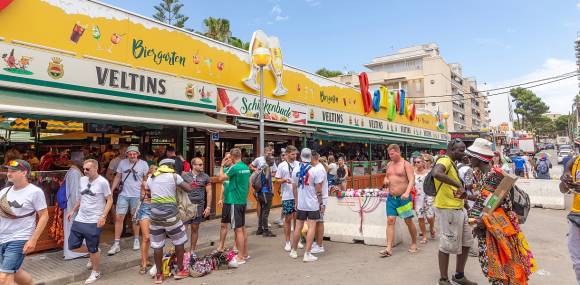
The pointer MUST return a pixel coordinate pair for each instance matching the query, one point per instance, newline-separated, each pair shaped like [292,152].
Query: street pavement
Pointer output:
[345,263]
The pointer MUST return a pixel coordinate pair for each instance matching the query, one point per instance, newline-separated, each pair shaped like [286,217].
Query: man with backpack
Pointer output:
[455,233]
[257,165]
[165,221]
[307,187]
[543,167]
[262,184]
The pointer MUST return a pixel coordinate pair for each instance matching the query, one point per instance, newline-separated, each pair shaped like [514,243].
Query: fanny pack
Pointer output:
[6,211]
[167,220]
[574,218]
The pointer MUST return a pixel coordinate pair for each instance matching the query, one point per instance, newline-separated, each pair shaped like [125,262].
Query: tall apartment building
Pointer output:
[433,83]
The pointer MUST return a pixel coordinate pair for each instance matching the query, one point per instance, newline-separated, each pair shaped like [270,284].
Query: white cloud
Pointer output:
[558,95]
[578,6]
[277,13]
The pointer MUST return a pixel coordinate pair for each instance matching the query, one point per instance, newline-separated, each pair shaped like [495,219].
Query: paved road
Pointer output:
[358,264]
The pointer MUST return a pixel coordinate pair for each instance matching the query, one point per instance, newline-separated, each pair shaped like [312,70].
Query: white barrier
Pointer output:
[359,219]
[543,193]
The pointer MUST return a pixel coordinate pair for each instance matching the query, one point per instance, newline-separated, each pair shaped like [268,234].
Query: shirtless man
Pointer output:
[399,181]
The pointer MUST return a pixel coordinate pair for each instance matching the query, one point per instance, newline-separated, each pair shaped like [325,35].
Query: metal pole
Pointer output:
[262,110]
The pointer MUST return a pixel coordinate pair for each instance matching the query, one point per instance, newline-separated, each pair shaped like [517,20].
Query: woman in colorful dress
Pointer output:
[504,255]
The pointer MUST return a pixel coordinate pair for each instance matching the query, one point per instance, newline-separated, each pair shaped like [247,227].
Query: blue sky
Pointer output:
[498,42]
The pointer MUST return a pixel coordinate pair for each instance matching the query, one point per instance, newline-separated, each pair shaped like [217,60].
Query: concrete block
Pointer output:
[543,193]
[345,222]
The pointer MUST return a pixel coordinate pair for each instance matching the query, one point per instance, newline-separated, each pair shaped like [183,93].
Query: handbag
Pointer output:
[187,210]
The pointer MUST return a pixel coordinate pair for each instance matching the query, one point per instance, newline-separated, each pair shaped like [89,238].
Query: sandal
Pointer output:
[144,269]
[385,253]
[413,250]
[423,241]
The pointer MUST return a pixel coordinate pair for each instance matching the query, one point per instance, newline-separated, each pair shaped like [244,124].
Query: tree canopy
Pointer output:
[529,108]
[328,73]
[168,11]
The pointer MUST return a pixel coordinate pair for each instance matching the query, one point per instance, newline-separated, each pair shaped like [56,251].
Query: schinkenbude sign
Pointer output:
[236,103]
[45,71]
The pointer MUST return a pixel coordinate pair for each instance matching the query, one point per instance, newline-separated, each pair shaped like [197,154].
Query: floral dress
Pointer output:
[496,240]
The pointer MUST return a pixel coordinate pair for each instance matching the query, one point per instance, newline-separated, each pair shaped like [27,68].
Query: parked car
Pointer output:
[549,146]
[563,153]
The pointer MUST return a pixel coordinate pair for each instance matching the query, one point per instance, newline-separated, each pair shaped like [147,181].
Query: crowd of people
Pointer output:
[463,179]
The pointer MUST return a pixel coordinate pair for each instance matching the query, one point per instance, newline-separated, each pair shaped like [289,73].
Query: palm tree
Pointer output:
[218,29]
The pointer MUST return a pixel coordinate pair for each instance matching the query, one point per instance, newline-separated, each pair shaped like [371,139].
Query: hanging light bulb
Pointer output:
[320,142]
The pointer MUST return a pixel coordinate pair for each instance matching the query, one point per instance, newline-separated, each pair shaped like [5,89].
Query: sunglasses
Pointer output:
[87,169]
[417,161]
[199,164]
[14,163]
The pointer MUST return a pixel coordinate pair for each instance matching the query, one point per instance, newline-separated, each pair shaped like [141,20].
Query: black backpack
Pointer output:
[429,183]
[520,203]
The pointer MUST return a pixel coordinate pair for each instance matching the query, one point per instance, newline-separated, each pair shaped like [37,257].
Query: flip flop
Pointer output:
[411,250]
[423,241]
[385,253]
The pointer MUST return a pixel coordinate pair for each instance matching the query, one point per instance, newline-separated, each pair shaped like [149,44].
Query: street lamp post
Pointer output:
[261,57]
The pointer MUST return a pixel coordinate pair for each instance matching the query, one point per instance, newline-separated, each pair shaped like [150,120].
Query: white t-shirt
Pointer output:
[163,186]
[332,168]
[132,184]
[321,174]
[259,162]
[307,200]
[93,199]
[24,201]
[419,180]
[285,172]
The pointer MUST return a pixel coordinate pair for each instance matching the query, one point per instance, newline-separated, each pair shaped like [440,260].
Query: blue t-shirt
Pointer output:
[519,162]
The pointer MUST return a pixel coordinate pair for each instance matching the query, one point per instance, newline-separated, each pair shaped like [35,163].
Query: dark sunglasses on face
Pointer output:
[417,161]
[87,169]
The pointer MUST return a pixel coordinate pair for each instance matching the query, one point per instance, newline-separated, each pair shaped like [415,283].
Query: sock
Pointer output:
[137,238]
[116,242]
[459,275]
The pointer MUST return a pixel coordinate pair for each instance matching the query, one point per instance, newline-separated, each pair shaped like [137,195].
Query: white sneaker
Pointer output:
[287,247]
[93,278]
[89,265]
[317,249]
[279,222]
[114,249]
[308,257]
[300,245]
[293,254]
[136,244]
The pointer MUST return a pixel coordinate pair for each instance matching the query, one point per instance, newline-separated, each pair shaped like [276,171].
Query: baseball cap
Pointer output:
[306,155]
[18,165]
[133,148]
[169,161]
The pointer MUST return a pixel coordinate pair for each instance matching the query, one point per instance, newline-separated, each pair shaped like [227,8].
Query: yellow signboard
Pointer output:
[91,30]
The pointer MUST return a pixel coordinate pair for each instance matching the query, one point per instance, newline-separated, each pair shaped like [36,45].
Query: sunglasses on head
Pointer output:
[14,163]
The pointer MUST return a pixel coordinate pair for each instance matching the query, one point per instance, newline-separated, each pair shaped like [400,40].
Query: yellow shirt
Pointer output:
[444,198]
[576,203]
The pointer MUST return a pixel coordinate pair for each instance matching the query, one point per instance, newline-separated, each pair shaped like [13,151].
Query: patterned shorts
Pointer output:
[288,207]
[175,232]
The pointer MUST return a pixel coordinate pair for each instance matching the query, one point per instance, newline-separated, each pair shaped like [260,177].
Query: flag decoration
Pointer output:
[392,109]
[402,94]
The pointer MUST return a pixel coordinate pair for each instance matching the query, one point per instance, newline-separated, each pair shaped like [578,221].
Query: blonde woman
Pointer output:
[143,217]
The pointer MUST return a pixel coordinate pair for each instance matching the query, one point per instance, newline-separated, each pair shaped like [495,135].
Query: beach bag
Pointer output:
[61,196]
[187,210]
[520,203]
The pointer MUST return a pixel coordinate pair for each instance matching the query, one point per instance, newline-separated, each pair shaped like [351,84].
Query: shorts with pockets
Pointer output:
[144,212]
[398,207]
[234,214]
[175,232]
[199,218]
[11,256]
[308,215]
[89,232]
[124,203]
[288,207]
[455,231]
